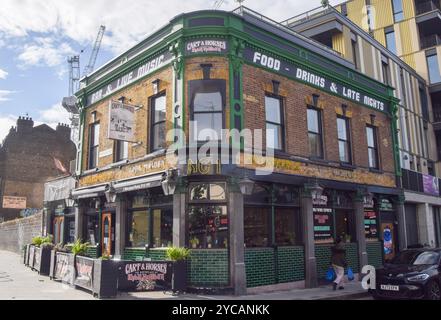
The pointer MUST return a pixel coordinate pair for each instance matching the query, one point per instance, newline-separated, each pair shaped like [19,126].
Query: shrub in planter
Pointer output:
[179,257]
[57,248]
[42,254]
[79,248]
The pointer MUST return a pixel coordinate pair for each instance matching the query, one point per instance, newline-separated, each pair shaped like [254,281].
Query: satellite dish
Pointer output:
[70,104]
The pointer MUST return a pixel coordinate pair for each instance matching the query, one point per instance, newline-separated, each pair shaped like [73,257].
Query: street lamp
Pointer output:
[246,186]
[110,195]
[316,191]
[169,182]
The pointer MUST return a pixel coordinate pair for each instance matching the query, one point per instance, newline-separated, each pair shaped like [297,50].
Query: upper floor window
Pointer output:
[94,141]
[158,117]
[397,7]
[386,72]
[344,141]
[315,132]
[274,123]
[371,133]
[121,150]
[391,45]
[433,67]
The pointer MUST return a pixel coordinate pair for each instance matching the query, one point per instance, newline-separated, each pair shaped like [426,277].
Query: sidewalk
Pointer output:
[18,282]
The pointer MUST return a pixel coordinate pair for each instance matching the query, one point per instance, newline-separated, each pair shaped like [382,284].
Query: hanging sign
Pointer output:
[297,72]
[121,122]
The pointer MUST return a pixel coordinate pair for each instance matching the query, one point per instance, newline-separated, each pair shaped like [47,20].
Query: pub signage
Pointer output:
[295,71]
[130,77]
[61,266]
[370,224]
[83,272]
[121,122]
[206,46]
[144,276]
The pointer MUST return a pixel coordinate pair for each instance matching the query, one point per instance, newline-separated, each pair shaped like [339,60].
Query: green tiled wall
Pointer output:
[208,268]
[259,265]
[375,253]
[323,256]
[291,261]
[134,254]
[92,252]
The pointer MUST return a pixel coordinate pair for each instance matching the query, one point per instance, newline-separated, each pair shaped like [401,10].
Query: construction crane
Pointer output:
[70,103]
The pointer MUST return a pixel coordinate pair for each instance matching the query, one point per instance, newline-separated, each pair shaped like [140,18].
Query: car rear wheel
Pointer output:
[433,291]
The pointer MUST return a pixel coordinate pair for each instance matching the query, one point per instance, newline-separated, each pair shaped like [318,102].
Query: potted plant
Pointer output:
[56,257]
[179,257]
[194,242]
[42,254]
[79,248]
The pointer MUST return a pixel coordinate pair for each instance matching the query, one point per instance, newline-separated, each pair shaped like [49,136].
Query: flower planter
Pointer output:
[26,255]
[62,267]
[42,260]
[84,272]
[179,276]
[105,276]
[31,256]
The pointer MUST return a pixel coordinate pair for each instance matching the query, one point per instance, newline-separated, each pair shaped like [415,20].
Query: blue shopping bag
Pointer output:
[330,275]
[351,276]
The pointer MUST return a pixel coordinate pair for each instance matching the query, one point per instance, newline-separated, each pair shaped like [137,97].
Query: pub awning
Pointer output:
[90,192]
[145,182]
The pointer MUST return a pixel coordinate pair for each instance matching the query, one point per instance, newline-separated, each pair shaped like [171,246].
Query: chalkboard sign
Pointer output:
[370,224]
[144,276]
[323,225]
[84,272]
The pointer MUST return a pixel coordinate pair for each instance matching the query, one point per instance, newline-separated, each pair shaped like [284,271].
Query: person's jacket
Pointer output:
[339,255]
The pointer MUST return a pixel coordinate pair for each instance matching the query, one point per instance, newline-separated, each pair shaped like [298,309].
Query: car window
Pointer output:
[427,257]
[405,257]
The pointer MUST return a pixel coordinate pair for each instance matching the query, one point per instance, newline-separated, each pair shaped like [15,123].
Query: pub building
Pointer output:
[333,136]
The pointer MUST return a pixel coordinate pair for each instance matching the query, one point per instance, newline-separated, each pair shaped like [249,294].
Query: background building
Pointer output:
[385,40]
[28,157]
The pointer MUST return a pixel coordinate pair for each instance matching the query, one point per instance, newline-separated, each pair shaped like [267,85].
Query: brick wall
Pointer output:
[15,234]
[257,82]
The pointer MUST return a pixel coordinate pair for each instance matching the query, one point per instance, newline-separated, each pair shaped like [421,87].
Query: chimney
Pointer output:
[25,125]
[63,130]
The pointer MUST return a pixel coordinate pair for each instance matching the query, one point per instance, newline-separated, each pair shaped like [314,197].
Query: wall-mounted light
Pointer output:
[170,182]
[155,84]
[246,186]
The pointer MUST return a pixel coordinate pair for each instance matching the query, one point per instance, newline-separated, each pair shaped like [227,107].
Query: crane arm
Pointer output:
[96,48]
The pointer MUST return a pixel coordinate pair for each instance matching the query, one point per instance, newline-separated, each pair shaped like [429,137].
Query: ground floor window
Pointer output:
[208,226]
[344,225]
[257,226]
[151,227]
[287,226]
[92,228]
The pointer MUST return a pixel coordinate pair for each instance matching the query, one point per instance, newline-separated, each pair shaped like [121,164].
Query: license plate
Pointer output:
[388,287]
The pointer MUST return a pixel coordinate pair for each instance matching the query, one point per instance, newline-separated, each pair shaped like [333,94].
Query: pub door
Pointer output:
[58,229]
[389,237]
[107,234]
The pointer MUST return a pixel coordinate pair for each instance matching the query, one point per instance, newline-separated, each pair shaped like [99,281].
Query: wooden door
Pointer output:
[106,234]
[389,243]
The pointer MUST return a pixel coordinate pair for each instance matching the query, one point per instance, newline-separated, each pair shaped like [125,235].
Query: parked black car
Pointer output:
[412,274]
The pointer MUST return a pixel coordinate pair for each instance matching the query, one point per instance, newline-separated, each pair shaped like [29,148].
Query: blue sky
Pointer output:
[37,36]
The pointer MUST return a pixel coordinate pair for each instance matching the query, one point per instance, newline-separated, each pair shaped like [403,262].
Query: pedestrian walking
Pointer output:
[338,262]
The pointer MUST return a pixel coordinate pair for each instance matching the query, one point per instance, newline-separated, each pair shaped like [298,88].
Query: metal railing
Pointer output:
[426,6]
[430,41]
[414,181]
[308,15]
[242,11]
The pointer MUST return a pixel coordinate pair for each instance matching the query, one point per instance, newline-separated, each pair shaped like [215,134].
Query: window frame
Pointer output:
[319,134]
[376,146]
[388,31]
[428,56]
[153,124]
[118,145]
[93,149]
[282,119]
[348,141]
[395,13]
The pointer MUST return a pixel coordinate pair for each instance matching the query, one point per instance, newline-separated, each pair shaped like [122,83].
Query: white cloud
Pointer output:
[44,51]
[4,95]
[3,74]
[54,115]
[6,122]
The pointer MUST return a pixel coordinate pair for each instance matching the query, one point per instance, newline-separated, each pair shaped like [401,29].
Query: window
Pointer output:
[433,67]
[208,116]
[315,133]
[274,123]
[355,53]
[344,143]
[158,116]
[390,41]
[372,147]
[207,216]
[139,231]
[385,70]
[121,150]
[287,226]
[94,141]
[257,226]
[397,7]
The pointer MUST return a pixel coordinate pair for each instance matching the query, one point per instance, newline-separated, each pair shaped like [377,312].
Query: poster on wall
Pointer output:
[121,122]
[144,276]
[388,240]
[323,221]
[83,272]
[14,202]
[431,185]
[370,224]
